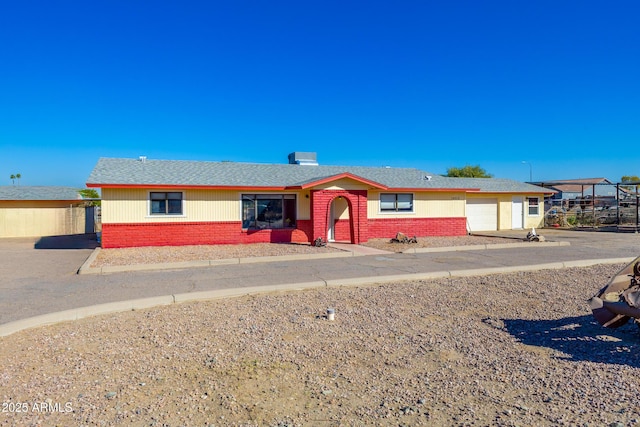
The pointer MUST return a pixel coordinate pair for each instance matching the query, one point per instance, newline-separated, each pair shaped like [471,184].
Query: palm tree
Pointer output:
[18,176]
[13,179]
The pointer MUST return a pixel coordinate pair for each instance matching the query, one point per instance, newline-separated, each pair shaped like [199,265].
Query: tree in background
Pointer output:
[90,193]
[14,177]
[629,178]
[468,172]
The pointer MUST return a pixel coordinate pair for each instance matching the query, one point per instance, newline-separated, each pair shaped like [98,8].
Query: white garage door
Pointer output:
[482,214]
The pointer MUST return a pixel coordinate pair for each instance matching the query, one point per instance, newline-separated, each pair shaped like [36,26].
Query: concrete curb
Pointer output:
[359,281]
[86,266]
[83,312]
[589,263]
[87,269]
[485,246]
[144,303]
[301,257]
[238,292]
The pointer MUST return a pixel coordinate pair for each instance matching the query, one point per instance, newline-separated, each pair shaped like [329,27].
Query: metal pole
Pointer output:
[618,205]
[530,170]
[637,199]
[593,200]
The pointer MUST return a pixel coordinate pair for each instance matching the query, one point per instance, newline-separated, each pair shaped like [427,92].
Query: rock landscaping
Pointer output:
[517,349]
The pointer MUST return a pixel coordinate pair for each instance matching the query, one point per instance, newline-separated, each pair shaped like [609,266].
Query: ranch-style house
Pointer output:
[148,202]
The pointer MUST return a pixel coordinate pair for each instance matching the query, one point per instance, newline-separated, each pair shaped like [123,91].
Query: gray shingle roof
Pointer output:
[123,172]
[500,185]
[20,192]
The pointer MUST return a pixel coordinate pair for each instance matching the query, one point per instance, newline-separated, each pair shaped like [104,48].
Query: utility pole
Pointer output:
[530,170]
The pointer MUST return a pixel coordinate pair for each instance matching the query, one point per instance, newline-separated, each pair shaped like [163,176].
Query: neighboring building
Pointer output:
[27,211]
[579,188]
[576,192]
[166,202]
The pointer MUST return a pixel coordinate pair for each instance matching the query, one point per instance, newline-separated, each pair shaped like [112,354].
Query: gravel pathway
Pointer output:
[501,350]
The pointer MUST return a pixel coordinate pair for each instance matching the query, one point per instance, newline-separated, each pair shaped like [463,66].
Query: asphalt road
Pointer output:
[39,276]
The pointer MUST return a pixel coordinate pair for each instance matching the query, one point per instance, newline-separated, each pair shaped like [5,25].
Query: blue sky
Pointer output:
[426,84]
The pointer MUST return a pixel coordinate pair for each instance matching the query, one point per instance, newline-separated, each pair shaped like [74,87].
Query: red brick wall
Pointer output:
[196,233]
[357,201]
[212,233]
[342,230]
[421,227]
[304,226]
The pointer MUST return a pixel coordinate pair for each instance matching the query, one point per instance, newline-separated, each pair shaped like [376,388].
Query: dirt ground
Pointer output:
[501,350]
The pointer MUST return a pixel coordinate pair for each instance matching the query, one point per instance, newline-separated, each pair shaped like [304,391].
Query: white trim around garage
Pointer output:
[482,214]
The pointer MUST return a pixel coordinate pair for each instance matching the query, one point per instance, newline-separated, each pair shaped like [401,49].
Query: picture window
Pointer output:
[268,211]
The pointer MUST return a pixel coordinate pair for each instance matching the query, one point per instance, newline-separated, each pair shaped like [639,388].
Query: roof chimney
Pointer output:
[302,158]
[142,159]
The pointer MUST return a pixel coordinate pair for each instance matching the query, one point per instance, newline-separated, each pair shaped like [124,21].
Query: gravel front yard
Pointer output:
[163,254]
[517,349]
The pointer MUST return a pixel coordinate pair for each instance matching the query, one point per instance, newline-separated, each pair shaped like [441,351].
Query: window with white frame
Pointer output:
[165,203]
[396,202]
[534,206]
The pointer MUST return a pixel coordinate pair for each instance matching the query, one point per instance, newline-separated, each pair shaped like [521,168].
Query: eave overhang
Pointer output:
[348,175]
[187,187]
[282,188]
[438,190]
[47,200]
[477,190]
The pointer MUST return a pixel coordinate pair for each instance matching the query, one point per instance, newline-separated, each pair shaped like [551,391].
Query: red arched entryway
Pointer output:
[320,212]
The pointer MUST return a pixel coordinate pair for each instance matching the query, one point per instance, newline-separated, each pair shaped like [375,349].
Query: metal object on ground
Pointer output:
[331,314]
[619,301]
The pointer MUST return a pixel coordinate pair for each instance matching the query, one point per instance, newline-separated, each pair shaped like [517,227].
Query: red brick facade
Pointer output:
[357,229]
[342,230]
[320,213]
[421,227]
[197,233]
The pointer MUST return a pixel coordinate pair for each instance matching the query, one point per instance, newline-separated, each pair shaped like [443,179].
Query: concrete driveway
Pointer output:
[33,258]
[39,275]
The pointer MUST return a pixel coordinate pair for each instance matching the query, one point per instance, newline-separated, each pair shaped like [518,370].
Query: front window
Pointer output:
[268,211]
[534,206]
[166,203]
[396,202]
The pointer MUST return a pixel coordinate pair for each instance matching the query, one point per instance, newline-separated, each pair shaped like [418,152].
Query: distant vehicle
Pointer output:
[589,201]
[609,215]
